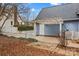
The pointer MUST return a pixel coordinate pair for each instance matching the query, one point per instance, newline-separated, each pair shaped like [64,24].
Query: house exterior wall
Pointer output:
[41,29]
[73,30]
[36,29]
[47,29]
[54,29]
[7,27]
[71,26]
[65,12]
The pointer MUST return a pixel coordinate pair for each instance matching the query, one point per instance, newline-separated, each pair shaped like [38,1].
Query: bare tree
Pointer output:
[24,11]
[15,9]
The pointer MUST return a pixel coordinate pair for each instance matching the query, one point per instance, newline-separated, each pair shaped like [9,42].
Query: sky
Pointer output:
[37,7]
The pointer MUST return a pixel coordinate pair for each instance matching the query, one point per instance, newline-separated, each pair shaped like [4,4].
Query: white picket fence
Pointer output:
[72,35]
[22,34]
[30,34]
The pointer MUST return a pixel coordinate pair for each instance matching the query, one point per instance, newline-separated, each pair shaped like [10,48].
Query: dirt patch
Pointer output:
[62,50]
[16,47]
[21,47]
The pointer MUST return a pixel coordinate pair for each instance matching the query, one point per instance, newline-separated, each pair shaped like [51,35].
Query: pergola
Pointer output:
[50,21]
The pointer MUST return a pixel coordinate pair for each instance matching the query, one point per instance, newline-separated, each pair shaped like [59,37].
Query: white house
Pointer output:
[8,26]
[52,21]
[10,30]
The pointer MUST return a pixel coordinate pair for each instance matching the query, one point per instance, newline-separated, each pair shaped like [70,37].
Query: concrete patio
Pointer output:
[47,39]
[55,41]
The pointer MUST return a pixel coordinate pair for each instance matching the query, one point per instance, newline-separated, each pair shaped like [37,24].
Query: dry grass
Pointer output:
[15,47]
[19,47]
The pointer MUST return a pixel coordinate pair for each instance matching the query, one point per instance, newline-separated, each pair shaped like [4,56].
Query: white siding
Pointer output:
[71,26]
[73,30]
[36,29]
[7,27]
[41,29]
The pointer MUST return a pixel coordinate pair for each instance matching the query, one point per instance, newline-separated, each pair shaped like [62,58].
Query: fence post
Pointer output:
[72,33]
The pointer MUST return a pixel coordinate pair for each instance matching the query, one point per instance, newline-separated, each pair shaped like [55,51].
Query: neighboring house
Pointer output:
[8,26]
[52,21]
[10,30]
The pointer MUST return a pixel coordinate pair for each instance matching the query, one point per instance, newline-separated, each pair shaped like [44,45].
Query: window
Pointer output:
[11,22]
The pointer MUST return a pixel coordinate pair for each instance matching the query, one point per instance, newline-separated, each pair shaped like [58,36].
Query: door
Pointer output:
[52,29]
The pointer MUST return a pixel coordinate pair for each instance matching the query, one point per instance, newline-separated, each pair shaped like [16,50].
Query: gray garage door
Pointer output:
[52,29]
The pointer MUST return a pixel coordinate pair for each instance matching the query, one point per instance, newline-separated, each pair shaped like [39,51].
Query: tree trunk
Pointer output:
[15,16]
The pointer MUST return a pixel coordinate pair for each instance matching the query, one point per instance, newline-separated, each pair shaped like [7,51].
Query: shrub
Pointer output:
[32,40]
[29,39]
[25,28]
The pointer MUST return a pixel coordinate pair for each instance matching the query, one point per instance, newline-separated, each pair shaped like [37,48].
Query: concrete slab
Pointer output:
[48,39]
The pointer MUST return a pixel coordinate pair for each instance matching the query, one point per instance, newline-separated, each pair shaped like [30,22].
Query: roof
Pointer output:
[50,7]
[65,12]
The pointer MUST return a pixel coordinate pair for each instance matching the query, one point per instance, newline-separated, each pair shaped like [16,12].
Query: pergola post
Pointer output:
[62,35]
[60,25]
[35,29]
